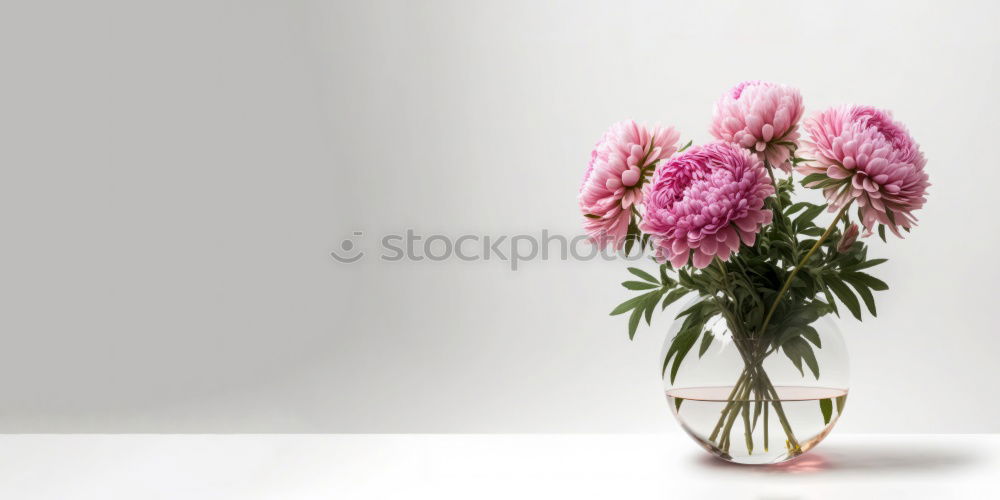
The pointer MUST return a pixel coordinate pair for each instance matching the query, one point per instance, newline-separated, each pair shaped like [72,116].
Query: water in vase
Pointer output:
[779,428]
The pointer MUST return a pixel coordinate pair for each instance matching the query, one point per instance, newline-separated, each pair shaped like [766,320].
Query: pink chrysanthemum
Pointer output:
[866,156]
[619,164]
[704,202]
[762,117]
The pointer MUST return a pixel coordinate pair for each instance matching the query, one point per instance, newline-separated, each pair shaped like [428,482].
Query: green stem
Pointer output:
[770,173]
[753,380]
[788,282]
[740,337]
[732,400]
[782,419]
[735,412]
[767,410]
[746,425]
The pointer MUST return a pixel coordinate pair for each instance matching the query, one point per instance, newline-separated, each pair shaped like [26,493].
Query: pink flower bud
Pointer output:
[848,239]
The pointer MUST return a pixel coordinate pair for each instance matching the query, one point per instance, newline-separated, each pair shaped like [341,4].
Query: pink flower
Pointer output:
[762,117]
[864,155]
[706,200]
[619,164]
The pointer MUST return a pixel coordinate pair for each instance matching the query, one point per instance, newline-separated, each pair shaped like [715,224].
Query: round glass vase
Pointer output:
[757,404]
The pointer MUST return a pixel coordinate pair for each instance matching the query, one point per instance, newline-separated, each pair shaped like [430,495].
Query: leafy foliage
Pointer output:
[769,293]
[826,407]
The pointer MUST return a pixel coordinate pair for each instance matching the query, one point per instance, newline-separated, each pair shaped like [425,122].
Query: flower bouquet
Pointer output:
[763,277]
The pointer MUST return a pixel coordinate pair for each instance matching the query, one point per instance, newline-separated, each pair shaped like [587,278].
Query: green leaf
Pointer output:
[630,304]
[881,232]
[890,216]
[681,150]
[810,334]
[866,296]
[631,236]
[796,207]
[677,404]
[841,401]
[829,298]
[684,340]
[796,332]
[685,278]
[797,351]
[808,215]
[664,279]
[673,296]
[813,178]
[639,285]
[865,265]
[810,358]
[872,282]
[845,295]
[592,216]
[681,353]
[826,406]
[690,310]
[648,306]
[643,274]
[633,322]
[793,355]
[706,341]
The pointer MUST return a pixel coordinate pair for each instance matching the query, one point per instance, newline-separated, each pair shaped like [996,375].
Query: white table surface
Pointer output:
[662,466]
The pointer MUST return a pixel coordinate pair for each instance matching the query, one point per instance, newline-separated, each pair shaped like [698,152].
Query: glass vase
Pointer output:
[750,403]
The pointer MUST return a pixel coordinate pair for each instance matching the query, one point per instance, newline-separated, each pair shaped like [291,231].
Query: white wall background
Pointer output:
[176,173]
